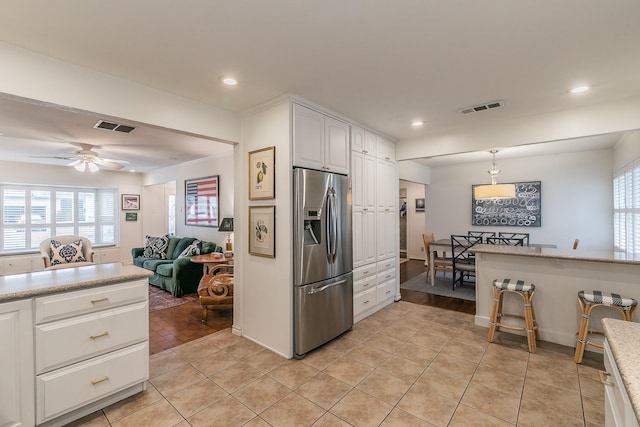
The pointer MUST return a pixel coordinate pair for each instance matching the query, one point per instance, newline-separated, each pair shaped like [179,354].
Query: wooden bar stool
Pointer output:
[525,291]
[590,300]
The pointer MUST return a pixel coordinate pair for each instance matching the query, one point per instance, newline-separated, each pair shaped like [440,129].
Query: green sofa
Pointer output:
[177,275]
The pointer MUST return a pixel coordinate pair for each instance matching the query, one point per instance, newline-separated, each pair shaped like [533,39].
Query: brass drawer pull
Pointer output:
[95,301]
[104,334]
[105,378]
[603,378]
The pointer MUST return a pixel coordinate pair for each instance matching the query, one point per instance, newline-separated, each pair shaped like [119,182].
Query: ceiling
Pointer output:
[381,63]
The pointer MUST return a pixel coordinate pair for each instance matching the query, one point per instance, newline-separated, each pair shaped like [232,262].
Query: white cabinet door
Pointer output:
[369,179]
[336,146]
[370,143]
[386,234]
[358,182]
[357,139]
[386,184]
[386,150]
[364,237]
[16,364]
[308,138]
[319,141]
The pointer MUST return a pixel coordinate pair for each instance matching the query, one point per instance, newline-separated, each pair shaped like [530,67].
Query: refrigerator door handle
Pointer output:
[318,290]
[332,225]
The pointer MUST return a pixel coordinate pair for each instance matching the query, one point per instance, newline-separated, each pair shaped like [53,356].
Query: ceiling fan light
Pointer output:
[80,167]
[93,167]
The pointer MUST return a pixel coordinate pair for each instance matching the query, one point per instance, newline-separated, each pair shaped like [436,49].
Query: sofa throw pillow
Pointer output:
[156,247]
[192,249]
[64,254]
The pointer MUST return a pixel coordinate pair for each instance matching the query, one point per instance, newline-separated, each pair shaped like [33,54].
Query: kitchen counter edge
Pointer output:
[624,340]
[29,285]
[553,253]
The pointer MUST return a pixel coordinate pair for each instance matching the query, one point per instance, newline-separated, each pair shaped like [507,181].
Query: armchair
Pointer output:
[68,255]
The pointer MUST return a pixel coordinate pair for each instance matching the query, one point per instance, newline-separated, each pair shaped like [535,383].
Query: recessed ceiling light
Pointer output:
[229,81]
[579,89]
[417,123]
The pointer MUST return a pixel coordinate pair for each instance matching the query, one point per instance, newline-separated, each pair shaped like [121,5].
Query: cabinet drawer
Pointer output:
[69,388]
[386,276]
[386,290]
[60,306]
[364,285]
[365,271]
[386,264]
[67,341]
[364,301]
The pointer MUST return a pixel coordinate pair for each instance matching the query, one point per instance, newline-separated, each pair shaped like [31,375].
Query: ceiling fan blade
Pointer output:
[108,164]
[53,157]
[75,162]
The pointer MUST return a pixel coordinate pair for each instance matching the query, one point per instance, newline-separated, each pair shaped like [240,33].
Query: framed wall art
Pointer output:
[201,201]
[419,205]
[131,216]
[524,210]
[262,182]
[130,202]
[262,232]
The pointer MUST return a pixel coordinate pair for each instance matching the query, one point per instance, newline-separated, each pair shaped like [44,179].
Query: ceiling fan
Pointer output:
[86,158]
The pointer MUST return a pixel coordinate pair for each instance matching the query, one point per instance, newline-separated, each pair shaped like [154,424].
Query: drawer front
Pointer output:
[386,290]
[67,341]
[386,275]
[60,306]
[364,285]
[386,264]
[364,301]
[69,388]
[362,272]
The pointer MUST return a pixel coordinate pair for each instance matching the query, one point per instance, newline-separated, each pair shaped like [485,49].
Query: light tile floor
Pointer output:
[407,365]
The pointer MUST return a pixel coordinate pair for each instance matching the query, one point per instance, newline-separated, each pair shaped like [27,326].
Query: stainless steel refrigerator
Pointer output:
[323,285]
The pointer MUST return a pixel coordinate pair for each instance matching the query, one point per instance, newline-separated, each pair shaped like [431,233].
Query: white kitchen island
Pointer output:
[73,341]
[558,276]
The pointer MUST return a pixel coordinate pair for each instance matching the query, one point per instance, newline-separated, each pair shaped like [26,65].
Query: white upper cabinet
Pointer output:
[363,141]
[319,141]
[386,150]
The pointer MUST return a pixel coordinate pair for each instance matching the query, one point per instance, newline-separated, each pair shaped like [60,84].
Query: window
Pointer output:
[626,209]
[31,214]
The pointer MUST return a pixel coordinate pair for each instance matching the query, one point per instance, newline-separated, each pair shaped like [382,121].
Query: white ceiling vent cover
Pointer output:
[481,107]
[113,126]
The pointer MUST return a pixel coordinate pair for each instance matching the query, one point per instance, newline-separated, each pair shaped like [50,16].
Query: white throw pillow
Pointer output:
[192,249]
[64,254]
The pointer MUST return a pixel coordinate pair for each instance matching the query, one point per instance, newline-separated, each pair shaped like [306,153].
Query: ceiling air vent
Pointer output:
[482,107]
[113,126]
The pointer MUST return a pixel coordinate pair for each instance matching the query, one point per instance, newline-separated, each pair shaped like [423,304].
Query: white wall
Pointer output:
[576,197]
[30,75]
[222,166]
[626,150]
[615,116]
[415,220]
[126,183]
[263,307]
[415,172]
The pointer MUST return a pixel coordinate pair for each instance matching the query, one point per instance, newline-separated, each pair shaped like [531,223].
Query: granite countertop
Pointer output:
[554,253]
[624,339]
[29,285]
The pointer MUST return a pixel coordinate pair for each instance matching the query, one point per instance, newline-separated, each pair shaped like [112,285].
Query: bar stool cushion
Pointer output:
[514,285]
[606,298]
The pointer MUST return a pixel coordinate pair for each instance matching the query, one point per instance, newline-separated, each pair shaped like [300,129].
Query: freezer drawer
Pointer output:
[322,311]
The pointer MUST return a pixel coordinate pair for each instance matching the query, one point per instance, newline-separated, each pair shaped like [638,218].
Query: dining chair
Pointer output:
[523,236]
[481,234]
[511,241]
[440,263]
[463,261]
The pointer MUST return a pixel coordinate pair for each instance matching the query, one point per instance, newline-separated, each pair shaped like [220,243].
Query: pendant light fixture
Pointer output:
[494,190]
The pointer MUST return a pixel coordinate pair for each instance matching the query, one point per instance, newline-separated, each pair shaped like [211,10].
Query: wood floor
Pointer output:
[177,325]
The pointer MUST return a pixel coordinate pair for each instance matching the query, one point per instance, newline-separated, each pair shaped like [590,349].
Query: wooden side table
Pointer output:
[210,260]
